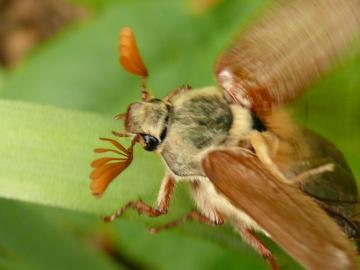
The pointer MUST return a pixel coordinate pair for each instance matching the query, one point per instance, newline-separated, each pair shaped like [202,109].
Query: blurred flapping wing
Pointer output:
[292,219]
[277,58]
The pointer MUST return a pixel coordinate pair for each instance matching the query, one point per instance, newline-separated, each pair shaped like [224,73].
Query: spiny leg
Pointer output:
[262,151]
[303,176]
[180,90]
[252,239]
[139,205]
[193,215]
[165,196]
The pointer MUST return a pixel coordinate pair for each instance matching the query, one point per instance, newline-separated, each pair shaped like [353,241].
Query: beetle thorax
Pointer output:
[198,121]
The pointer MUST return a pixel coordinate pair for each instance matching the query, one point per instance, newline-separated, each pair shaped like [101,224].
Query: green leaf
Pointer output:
[173,249]
[46,156]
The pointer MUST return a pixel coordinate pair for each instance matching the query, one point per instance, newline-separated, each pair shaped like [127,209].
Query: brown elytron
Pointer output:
[245,159]
[293,219]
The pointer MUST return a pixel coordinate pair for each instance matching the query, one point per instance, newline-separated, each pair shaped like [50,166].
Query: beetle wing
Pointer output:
[292,219]
[336,190]
[287,50]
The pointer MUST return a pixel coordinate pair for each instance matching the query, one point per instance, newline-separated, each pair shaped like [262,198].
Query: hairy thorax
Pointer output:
[198,122]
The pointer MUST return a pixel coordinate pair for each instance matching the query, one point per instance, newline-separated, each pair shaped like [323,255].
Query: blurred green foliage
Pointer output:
[73,85]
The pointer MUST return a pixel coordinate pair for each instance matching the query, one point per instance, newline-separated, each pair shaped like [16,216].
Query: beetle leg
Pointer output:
[139,205]
[180,90]
[262,151]
[251,238]
[165,194]
[193,215]
[164,199]
[300,178]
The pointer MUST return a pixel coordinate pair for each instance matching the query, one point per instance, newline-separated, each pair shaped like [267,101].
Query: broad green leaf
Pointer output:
[173,249]
[47,153]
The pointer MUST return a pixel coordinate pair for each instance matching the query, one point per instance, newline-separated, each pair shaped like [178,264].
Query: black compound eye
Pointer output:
[150,142]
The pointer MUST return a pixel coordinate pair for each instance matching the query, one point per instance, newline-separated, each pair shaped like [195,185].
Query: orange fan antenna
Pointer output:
[130,57]
[106,169]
